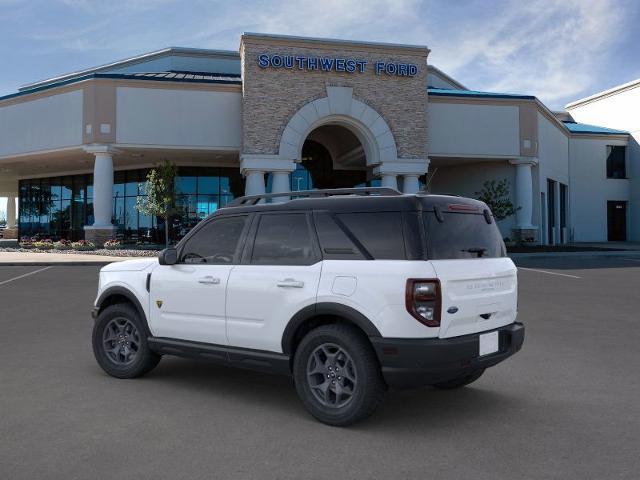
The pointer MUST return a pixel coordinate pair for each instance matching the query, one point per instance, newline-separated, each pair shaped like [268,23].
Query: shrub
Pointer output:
[26,242]
[112,244]
[46,244]
[62,245]
[83,245]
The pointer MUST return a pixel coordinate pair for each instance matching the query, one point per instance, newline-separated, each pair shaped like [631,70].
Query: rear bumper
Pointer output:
[409,362]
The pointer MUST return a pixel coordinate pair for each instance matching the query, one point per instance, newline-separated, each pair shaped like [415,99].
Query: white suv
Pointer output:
[350,291]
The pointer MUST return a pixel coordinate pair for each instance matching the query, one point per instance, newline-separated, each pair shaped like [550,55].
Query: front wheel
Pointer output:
[337,375]
[120,343]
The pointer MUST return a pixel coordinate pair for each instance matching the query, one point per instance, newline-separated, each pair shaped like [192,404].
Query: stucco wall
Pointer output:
[43,124]
[620,111]
[271,96]
[197,118]
[465,129]
[590,189]
[467,179]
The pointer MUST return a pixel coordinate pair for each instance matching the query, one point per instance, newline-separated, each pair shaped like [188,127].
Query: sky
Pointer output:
[558,50]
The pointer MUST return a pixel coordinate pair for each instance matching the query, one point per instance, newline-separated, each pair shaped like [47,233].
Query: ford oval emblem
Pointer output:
[452,309]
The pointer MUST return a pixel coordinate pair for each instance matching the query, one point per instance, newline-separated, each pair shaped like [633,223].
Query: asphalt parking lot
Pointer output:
[566,407]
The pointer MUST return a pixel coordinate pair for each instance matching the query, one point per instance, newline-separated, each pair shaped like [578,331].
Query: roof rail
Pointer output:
[254,199]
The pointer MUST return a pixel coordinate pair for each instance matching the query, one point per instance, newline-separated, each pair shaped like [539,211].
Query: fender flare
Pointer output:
[129,295]
[326,308]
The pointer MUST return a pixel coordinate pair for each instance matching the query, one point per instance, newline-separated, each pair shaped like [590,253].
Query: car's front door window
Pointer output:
[215,243]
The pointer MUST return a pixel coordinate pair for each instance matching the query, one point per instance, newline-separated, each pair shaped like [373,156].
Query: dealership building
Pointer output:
[290,113]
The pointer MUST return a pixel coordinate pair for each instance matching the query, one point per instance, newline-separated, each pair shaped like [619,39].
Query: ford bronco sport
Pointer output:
[349,291]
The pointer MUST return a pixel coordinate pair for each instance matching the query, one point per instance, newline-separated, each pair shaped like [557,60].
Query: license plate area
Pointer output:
[489,343]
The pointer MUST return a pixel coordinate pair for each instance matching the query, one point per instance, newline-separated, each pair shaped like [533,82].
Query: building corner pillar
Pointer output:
[524,229]
[102,229]
[11,230]
[389,180]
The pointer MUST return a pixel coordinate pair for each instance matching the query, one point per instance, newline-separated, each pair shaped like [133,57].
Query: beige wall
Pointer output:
[272,96]
[45,123]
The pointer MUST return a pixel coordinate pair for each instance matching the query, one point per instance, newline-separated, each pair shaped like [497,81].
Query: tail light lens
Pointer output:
[423,301]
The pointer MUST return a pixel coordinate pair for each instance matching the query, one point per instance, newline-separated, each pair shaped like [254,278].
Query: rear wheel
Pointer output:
[460,381]
[120,342]
[337,375]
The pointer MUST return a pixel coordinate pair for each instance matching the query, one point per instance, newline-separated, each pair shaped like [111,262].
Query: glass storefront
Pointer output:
[60,207]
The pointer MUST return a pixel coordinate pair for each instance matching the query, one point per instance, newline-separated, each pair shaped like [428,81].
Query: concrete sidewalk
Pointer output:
[70,259]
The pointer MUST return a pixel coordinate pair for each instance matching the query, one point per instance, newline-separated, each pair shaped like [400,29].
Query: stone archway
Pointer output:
[340,108]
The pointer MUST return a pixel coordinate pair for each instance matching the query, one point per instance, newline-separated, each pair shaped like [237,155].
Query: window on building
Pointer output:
[283,239]
[60,207]
[616,161]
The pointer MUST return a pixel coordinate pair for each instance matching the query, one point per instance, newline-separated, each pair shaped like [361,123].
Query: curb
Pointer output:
[598,254]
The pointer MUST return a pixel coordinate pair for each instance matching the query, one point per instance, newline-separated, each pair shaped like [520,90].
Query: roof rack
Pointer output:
[254,199]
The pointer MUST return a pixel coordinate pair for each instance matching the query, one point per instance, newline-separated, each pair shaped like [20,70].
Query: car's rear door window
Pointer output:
[462,235]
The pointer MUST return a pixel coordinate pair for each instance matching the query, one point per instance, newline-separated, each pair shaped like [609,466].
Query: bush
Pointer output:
[112,244]
[26,242]
[62,245]
[43,244]
[83,245]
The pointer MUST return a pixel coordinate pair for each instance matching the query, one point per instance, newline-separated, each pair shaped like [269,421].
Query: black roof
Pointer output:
[369,203]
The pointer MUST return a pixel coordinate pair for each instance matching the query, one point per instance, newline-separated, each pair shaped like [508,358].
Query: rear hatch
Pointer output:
[478,282]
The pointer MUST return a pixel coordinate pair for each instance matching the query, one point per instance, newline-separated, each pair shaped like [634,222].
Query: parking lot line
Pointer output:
[548,272]
[25,275]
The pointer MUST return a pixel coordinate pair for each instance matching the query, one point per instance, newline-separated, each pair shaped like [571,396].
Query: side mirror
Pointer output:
[168,256]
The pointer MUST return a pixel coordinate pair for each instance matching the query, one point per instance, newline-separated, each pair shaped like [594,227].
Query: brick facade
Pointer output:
[272,96]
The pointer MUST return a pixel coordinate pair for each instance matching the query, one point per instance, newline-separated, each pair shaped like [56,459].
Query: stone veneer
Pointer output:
[272,96]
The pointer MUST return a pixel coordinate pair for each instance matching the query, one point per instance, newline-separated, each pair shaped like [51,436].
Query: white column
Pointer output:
[11,212]
[280,184]
[524,192]
[254,182]
[411,184]
[102,190]
[389,180]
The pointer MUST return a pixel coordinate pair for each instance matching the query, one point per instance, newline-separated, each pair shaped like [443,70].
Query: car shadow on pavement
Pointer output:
[401,410]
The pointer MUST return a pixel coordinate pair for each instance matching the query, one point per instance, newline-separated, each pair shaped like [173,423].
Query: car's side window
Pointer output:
[216,242]
[283,239]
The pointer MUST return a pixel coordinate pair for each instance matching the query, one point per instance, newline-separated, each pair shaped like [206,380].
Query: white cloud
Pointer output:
[553,49]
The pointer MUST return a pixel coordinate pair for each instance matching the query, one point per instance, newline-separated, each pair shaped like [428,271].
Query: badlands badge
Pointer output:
[159,303]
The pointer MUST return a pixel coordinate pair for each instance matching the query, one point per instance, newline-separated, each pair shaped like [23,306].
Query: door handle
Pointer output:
[209,280]
[290,283]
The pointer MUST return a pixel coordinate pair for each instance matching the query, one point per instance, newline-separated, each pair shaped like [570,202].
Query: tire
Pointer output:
[340,354]
[460,381]
[120,342]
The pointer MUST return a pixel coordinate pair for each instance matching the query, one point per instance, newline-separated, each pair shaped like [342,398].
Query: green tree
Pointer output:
[160,199]
[496,195]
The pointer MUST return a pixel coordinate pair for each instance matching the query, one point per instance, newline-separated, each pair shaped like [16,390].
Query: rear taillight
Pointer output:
[423,301]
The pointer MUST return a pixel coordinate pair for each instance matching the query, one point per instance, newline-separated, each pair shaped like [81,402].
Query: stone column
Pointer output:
[389,180]
[280,184]
[254,182]
[524,228]
[411,183]
[102,228]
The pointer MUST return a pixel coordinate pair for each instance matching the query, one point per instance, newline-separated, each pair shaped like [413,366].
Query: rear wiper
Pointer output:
[479,250]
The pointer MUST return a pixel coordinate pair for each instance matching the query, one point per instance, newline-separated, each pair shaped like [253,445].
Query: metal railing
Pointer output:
[365,191]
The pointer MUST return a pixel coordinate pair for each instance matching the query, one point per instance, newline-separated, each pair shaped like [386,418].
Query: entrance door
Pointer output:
[617,221]
[188,298]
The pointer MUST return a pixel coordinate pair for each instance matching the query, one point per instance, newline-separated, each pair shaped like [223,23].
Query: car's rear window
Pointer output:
[462,235]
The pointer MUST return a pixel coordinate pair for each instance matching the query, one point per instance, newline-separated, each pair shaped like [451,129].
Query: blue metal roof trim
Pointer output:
[575,127]
[227,79]
[445,92]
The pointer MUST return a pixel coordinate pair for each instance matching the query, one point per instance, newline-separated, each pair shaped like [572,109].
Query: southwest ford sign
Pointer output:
[334,64]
